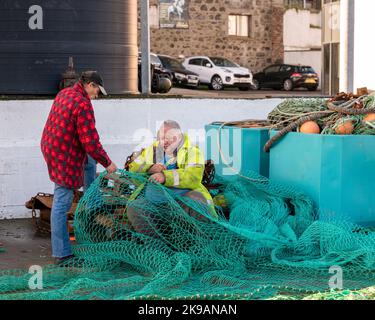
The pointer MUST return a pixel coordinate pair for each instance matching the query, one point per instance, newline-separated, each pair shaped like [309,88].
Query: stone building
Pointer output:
[303,4]
[249,32]
[303,38]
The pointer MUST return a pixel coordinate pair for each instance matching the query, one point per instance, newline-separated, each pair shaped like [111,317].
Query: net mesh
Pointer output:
[291,110]
[139,240]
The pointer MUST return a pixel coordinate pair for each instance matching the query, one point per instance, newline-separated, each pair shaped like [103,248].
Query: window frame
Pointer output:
[287,68]
[154,9]
[249,25]
[274,66]
[197,59]
[205,61]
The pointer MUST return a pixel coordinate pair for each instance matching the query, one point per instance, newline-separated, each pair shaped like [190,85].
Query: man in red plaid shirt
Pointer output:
[69,137]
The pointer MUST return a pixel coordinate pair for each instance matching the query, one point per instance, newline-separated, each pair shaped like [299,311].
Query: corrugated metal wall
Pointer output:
[36,42]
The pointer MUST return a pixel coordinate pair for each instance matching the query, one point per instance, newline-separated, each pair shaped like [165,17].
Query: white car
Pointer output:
[219,72]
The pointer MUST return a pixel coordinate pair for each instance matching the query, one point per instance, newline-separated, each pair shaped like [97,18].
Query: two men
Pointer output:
[70,145]
[69,137]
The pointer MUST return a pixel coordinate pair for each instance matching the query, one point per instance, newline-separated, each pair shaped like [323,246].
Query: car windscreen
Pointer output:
[171,63]
[155,60]
[307,70]
[221,62]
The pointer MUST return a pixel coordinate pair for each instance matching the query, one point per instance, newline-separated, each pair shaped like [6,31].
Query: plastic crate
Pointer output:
[241,149]
[338,172]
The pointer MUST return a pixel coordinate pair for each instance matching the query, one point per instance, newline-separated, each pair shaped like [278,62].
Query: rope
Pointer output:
[347,108]
[293,126]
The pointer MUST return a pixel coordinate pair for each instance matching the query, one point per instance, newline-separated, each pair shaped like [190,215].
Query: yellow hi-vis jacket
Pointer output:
[189,172]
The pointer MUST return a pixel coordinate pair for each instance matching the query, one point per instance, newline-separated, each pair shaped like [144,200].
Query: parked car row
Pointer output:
[218,73]
[287,77]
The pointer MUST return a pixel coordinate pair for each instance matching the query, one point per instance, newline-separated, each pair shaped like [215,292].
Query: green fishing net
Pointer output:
[290,110]
[139,240]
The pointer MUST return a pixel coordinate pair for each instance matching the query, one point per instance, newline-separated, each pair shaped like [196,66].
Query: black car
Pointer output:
[161,79]
[180,75]
[287,77]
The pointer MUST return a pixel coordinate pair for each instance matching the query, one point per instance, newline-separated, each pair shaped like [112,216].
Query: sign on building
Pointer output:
[174,13]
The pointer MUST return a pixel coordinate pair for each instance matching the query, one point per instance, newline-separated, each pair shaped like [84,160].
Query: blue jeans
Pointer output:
[62,202]
[90,173]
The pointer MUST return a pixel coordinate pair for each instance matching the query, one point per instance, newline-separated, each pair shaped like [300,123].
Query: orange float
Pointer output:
[345,127]
[370,117]
[310,127]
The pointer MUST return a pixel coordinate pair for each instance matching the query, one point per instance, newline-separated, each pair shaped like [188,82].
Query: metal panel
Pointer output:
[99,35]
[241,150]
[338,172]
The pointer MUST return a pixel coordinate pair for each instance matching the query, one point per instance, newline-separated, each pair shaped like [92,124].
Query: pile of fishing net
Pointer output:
[344,114]
[267,242]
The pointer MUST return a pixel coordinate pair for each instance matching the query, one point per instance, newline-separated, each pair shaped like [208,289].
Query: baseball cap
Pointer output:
[94,76]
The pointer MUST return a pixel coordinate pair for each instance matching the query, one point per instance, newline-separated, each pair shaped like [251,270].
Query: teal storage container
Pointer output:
[338,172]
[237,150]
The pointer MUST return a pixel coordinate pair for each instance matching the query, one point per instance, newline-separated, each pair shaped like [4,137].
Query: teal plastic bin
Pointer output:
[241,149]
[338,172]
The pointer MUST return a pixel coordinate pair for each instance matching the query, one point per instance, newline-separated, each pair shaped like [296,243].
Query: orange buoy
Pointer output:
[345,127]
[370,117]
[310,127]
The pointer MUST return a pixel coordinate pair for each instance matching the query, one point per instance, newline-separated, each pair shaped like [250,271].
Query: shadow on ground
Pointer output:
[23,247]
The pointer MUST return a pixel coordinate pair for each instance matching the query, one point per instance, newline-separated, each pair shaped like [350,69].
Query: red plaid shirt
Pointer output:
[70,134]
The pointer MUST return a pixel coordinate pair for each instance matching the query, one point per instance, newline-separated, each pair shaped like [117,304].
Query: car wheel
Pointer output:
[217,83]
[312,88]
[288,85]
[256,85]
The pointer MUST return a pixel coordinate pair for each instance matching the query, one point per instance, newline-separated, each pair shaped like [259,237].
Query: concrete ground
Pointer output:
[23,248]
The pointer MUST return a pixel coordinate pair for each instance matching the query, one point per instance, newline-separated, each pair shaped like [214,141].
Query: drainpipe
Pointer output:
[145,47]
[347,11]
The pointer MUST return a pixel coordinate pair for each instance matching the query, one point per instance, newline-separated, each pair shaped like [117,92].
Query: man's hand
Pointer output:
[111,168]
[158,177]
[157,168]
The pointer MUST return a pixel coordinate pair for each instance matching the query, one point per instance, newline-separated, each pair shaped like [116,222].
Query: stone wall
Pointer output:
[208,32]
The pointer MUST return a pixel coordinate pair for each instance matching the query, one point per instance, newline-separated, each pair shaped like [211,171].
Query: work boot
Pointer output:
[64,260]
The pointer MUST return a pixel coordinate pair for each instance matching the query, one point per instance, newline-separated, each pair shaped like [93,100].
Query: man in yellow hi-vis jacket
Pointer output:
[175,163]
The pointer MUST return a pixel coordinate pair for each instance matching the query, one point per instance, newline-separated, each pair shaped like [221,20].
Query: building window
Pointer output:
[239,25]
[304,4]
[195,62]
[154,17]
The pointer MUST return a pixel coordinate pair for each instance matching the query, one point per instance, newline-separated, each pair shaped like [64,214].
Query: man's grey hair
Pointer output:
[171,125]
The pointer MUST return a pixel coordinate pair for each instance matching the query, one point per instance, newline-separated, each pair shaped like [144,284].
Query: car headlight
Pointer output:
[180,76]
[227,71]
